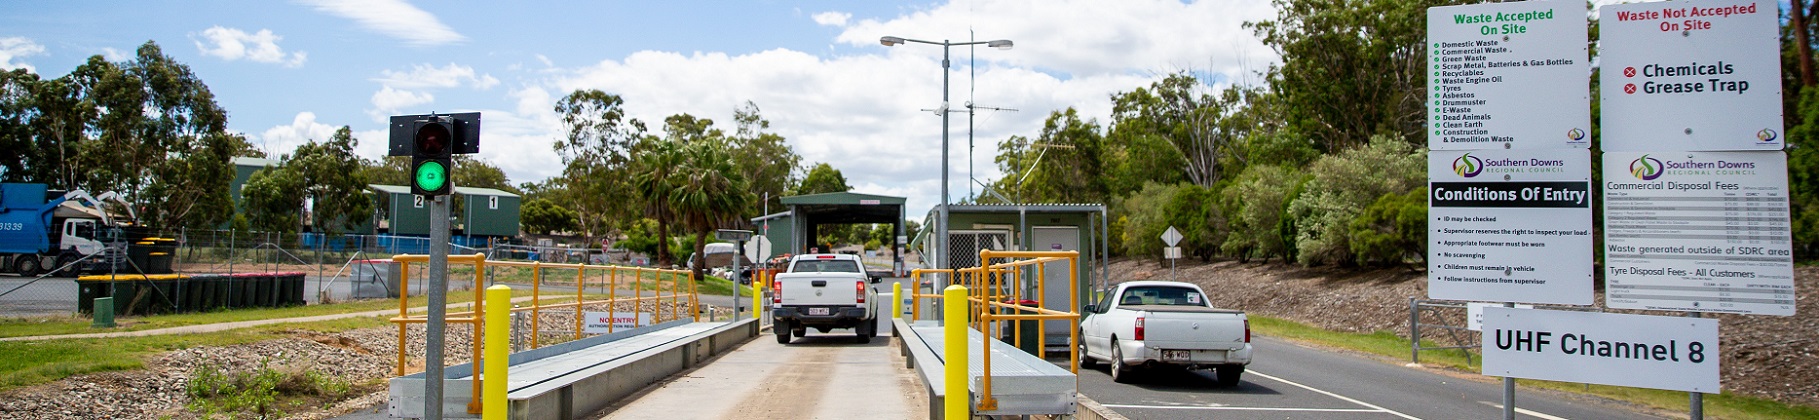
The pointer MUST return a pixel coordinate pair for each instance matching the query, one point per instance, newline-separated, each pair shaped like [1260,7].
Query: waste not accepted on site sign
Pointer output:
[1510,226]
[1690,75]
[1508,76]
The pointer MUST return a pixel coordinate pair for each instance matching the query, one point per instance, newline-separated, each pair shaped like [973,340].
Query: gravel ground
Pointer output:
[364,356]
[1764,356]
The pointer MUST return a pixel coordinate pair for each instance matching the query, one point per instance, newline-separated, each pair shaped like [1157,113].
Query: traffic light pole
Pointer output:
[436,326]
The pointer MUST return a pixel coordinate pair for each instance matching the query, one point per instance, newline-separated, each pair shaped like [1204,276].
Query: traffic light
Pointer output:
[431,161]
[431,141]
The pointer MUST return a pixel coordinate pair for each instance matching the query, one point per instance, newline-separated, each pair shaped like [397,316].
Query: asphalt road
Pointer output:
[1290,381]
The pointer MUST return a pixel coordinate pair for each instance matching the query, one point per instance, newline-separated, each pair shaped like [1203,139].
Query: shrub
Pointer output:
[1342,185]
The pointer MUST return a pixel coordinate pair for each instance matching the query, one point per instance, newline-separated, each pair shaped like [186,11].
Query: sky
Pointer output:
[289,72]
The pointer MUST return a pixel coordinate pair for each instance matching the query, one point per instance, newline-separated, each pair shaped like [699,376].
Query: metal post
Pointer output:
[954,354]
[941,244]
[1695,404]
[1414,331]
[498,351]
[436,324]
[739,255]
[1509,387]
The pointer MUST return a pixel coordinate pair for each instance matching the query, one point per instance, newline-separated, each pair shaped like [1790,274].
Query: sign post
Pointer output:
[739,236]
[1172,237]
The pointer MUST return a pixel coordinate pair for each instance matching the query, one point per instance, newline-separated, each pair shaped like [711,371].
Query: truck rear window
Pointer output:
[1161,295]
[826,266]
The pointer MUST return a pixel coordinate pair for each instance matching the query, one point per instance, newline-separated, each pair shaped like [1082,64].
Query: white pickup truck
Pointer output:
[824,292]
[1152,324]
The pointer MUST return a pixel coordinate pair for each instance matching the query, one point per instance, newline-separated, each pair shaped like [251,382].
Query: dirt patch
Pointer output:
[1770,357]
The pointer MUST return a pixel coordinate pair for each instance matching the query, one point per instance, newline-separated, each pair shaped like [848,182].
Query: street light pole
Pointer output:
[946,46]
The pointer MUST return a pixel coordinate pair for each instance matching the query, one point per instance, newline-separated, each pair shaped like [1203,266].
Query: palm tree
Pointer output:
[710,192]
[658,170]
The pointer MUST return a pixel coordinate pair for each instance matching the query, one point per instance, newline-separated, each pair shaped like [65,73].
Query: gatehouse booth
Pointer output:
[1026,227]
[796,230]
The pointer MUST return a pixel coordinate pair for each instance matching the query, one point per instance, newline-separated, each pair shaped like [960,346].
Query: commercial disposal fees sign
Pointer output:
[1508,75]
[1673,353]
[1698,231]
[1510,226]
[1690,75]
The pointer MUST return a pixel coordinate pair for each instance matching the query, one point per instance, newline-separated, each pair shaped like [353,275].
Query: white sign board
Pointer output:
[1510,226]
[1508,75]
[596,322]
[1690,75]
[1171,236]
[1173,253]
[1474,314]
[1698,231]
[1642,351]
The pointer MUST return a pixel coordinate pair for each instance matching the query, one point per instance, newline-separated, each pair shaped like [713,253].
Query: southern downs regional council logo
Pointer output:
[1468,166]
[1767,135]
[1646,168]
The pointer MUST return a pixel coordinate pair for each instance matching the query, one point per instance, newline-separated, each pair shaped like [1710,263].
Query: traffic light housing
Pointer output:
[431,141]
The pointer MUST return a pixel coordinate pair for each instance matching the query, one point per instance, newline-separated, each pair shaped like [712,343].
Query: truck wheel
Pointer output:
[26,265]
[1121,373]
[64,261]
[1228,374]
[865,331]
[874,329]
[782,328]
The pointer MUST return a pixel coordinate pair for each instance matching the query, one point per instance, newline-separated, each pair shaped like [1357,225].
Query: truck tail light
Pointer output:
[1247,330]
[1140,328]
[859,291]
[777,292]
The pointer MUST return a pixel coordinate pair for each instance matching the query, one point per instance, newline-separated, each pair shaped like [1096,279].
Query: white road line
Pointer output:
[1196,407]
[1329,394]
[1525,411]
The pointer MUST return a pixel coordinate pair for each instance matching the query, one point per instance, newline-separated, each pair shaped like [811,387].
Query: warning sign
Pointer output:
[1690,75]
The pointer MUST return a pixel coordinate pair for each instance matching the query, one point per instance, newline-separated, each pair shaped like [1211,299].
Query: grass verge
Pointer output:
[26,363]
[1387,344]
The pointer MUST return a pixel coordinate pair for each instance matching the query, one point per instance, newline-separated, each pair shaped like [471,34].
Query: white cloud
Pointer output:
[13,48]
[429,76]
[284,139]
[233,44]
[1088,37]
[832,18]
[393,18]
[115,54]
[389,101]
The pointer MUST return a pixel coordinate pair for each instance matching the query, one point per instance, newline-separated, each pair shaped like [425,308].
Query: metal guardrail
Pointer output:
[1440,310]
[994,290]
[477,317]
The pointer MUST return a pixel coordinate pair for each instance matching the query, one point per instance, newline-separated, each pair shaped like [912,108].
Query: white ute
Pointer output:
[824,292]
[1153,324]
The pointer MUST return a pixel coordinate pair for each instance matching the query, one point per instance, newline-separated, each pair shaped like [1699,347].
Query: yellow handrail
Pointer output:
[989,304]
[477,317]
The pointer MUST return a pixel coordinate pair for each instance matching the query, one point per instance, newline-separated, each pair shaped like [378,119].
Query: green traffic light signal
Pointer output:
[431,175]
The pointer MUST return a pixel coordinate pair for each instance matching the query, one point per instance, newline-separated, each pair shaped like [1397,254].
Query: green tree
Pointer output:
[767,162]
[333,181]
[1342,185]
[541,216]
[1144,218]
[598,163]
[1259,196]
[822,178]
[1350,69]
[710,194]
[1393,230]
[1065,164]
[273,200]
[655,181]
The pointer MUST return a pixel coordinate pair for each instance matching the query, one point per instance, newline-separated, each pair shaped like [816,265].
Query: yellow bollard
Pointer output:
[896,300]
[954,329]
[498,350]
[757,296]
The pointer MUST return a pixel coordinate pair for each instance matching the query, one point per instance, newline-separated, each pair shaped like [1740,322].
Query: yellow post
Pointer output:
[498,350]
[896,300]
[954,332]
[758,295]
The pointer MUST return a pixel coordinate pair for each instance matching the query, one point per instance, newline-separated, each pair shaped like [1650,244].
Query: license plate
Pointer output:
[817,311]
[1175,355]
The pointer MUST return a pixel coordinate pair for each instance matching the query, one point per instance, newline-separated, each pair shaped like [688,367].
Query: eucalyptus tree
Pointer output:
[597,151]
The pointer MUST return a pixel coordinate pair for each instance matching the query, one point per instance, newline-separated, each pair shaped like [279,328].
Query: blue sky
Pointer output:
[292,71]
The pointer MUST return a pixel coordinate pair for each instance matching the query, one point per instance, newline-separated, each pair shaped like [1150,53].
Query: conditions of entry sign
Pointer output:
[1510,226]
[1673,353]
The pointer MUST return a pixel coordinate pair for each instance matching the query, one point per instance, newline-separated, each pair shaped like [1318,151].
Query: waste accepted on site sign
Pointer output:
[1673,353]
[1508,76]
[1690,75]
[1510,226]
[1698,231]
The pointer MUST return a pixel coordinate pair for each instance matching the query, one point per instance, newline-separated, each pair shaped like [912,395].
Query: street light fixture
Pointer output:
[946,46]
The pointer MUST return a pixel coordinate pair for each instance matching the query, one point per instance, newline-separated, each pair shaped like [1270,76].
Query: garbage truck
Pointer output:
[42,231]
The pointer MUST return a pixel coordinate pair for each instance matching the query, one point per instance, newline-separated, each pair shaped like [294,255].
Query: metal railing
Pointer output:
[994,290]
[1442,313]
[681,292]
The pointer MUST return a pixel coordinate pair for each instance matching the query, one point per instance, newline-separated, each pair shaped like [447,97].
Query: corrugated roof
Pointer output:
[841,198]
[253,161]
[404,189]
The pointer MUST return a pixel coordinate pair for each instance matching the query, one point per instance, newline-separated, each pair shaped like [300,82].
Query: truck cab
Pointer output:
[824,292]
